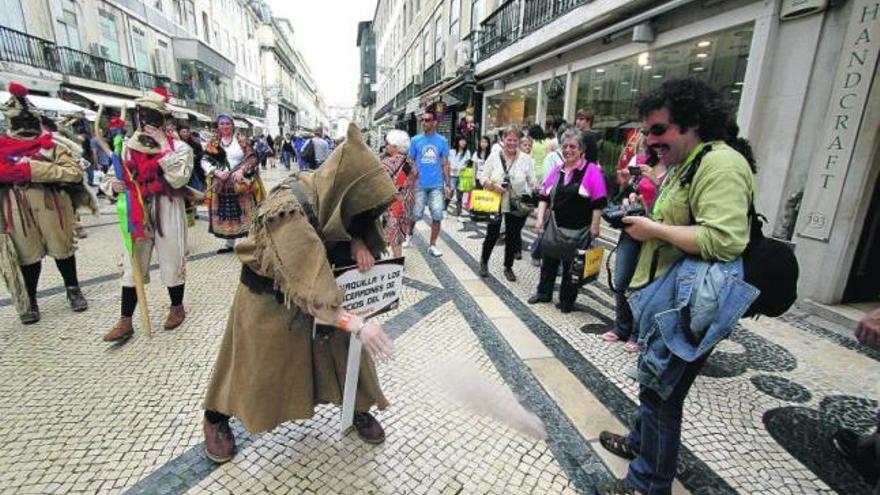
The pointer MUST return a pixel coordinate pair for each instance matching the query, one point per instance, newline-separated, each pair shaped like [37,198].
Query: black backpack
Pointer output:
[768,264]
[308,154]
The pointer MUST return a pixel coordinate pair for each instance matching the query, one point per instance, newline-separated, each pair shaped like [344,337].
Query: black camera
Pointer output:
[613,214]
[635,171]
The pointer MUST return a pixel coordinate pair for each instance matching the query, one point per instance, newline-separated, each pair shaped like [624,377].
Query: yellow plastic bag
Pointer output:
[485,205]
[485,201]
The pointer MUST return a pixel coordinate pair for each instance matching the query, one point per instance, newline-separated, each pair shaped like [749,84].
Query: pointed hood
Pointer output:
[349,182]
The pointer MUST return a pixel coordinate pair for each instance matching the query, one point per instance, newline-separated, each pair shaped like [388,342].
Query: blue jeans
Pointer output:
[624,269]
[656,435]
[285,159]
[434,199]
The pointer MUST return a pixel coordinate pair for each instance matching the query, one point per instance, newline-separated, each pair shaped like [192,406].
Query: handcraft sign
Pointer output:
[855,74]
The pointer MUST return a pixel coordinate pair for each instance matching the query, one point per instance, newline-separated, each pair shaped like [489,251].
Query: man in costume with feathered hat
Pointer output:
[158,167]
[41,185]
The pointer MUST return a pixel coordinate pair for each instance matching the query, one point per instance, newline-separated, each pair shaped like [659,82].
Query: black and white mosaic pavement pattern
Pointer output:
[741,420]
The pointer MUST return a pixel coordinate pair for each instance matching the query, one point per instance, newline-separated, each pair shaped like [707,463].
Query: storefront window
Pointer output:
[554,98]
[518,106]
[613,90]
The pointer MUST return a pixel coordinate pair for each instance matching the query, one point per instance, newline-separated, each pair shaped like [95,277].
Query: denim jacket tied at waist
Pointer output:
[683,315]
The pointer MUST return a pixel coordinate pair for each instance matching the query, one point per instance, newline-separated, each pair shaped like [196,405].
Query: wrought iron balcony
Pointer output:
[248,108]
[23,48]
[432,74]
[514,20]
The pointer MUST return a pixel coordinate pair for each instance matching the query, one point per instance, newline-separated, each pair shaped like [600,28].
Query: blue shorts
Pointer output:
[434,198]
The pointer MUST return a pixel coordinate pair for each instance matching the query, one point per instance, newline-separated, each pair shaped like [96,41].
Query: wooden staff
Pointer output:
[136,275]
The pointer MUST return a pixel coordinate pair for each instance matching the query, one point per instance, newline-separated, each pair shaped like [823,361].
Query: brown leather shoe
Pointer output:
[121,331]
[368,428]
[176,315]
[219,441]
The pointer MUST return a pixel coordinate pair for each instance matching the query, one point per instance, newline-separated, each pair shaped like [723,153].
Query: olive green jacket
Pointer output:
[718,198]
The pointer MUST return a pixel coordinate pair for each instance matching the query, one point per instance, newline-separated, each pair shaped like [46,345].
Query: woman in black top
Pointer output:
[578,194]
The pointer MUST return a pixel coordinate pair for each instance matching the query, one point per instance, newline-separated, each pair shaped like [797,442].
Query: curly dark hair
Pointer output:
[693,103]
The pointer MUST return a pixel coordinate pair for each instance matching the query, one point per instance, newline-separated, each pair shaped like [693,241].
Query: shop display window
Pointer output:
[518,106]
[613,90]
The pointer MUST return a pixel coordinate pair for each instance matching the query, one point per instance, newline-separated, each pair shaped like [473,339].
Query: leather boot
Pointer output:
[176,315]
[368,428]
[121,331]
[219,441]
[31,316]
[76,300]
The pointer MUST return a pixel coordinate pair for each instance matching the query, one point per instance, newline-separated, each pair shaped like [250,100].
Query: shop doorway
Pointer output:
[863,285]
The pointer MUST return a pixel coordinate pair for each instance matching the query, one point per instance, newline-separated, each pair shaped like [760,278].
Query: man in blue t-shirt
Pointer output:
[430,153]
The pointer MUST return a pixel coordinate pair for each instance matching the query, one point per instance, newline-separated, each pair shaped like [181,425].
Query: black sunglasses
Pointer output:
[655,130]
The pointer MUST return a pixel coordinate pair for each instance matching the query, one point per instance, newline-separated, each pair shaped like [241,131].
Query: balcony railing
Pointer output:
[248,108]
[432,74]
[25,49]
[514,20]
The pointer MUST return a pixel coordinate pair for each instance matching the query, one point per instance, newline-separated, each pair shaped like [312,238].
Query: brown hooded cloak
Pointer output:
[270,369]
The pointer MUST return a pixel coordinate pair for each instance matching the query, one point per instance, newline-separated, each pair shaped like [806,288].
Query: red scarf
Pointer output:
[144,169]
[11,148]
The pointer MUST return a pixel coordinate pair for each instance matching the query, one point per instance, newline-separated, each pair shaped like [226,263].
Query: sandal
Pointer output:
[632,346]
[616,444]
[610,336]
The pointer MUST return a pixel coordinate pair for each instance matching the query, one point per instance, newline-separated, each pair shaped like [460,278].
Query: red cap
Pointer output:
[18,90]
[162,92]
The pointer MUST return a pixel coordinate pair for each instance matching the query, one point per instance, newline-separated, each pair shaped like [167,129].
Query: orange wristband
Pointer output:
[345,321]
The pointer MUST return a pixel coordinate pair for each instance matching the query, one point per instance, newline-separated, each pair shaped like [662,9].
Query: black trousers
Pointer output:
[549,268]
[513,225]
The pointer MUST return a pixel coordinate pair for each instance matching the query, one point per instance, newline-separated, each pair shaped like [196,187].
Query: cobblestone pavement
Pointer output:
[77,415]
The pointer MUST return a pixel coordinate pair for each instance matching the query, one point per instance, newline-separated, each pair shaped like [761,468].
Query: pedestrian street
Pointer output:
[80,416]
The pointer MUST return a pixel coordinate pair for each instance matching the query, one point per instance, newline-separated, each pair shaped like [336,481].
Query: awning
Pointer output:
[255,122]
[107,101]
[57,105]
[183,112]
[240,123]
[177,112]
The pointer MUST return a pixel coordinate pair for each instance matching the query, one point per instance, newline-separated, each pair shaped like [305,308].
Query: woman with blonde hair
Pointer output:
[511,173]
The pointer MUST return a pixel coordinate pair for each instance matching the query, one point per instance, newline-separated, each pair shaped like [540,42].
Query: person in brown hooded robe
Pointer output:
[270,367]
[41,186]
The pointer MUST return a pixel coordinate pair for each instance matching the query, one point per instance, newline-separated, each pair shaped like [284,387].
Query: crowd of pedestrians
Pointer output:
[684,183]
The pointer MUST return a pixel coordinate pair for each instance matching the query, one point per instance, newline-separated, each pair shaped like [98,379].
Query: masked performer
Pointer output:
[41,185]
[159,167]
[271,368]
[234,185]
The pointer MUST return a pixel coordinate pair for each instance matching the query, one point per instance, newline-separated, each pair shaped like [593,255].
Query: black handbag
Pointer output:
[561,242]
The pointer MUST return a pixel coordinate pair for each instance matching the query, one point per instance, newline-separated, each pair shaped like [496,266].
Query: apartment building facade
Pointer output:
[207,53]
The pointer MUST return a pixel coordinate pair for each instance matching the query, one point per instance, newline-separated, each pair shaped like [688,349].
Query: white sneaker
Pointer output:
[435,252]
[407,243]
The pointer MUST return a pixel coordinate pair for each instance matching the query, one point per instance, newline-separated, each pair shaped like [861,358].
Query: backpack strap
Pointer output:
[756,220]
[299,193]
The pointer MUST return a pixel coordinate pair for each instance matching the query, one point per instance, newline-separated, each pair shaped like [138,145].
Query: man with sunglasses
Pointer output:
[700,212]
[430,152]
